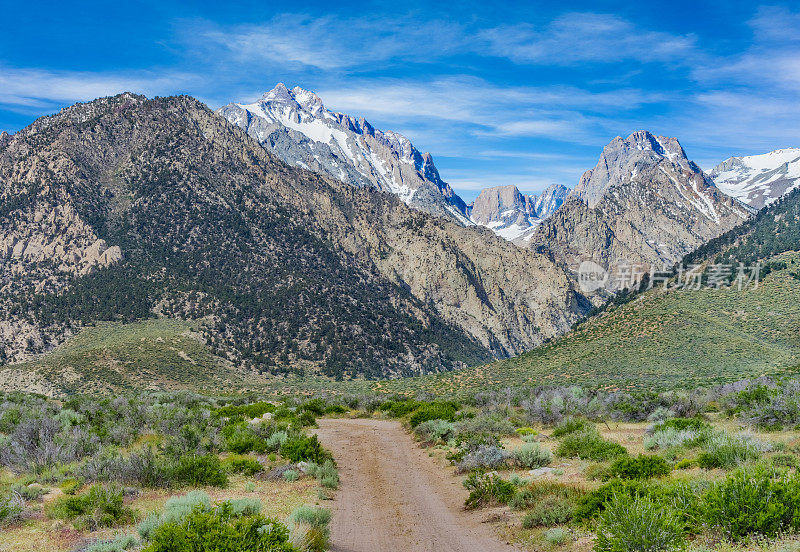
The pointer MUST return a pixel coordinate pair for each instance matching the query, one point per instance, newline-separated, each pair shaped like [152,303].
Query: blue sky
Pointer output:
[499,93]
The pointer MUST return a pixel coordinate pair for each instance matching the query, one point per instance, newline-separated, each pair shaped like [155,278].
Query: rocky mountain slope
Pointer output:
[645,204]
[759,180]
[512,215]
[295,126]
[126,208]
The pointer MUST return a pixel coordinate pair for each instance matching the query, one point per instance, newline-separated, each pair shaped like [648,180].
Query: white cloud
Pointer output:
[40,89]
[332,43]
[581,37]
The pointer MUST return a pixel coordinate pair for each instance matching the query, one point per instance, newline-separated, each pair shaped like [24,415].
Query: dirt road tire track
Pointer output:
[395,498]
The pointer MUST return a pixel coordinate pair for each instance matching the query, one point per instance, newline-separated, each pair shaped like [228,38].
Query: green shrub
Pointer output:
[219,529]
[119,544]
[275,441]
[486,489]
[589,445]
[640,467]
[594,503]
[291,475]
[200,470]
[549,511]
[314,406]
[753,502]
[726,451]
[100,506]
[523,431]
[433,431]
[240,439]
[572,425]
[434,411]
[302,448]
[556,535]
[400,408]
[242,464]
[681,424]
[176,509]
[631,524]
[11,508]
[532,455]
[248,411]
[326,473]
[310,528]
[245,506]
[336,409]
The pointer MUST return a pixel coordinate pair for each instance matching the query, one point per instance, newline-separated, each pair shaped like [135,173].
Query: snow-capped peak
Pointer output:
[296,126]
[759,180]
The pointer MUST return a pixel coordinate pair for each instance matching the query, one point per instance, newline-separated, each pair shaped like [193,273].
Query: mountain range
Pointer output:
[126,208]
[295,238]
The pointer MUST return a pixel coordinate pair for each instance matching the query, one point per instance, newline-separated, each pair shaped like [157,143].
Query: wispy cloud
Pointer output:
[331,42]
[585,37]
[558,111]
[40,89]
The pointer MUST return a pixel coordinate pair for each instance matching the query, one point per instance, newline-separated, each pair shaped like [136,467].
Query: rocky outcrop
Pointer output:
[296,126]
[759,180]
[512,215]
[645,203]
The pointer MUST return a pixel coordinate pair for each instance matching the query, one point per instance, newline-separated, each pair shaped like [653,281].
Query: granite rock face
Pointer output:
[645,203]
[513,215]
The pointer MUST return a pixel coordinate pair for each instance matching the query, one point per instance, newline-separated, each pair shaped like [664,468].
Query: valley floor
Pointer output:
[394,496]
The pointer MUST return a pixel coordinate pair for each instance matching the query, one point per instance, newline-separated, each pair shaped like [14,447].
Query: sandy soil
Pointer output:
[394,497]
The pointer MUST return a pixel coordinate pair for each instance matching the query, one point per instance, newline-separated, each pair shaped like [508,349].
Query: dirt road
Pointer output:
[395,498]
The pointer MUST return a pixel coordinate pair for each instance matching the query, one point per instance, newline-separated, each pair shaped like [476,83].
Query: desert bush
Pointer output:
[433,431]
[220,528]
[100,506]
[309,528]
[753,502]
[433,411]
[302,448]
[571,425]
[487,488]
[493,425]
[176,509]
[589,445]
[12,506]
[556,535]
[681,424]
[592,504]
[485,456]
[242,464]
[200,470]
[670,437]
[291,475]
[640,467]
[532,455]
[326,473]
[722,450]
[119,544]
[631,524]
[275,441]
[550,510]
[247,411]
